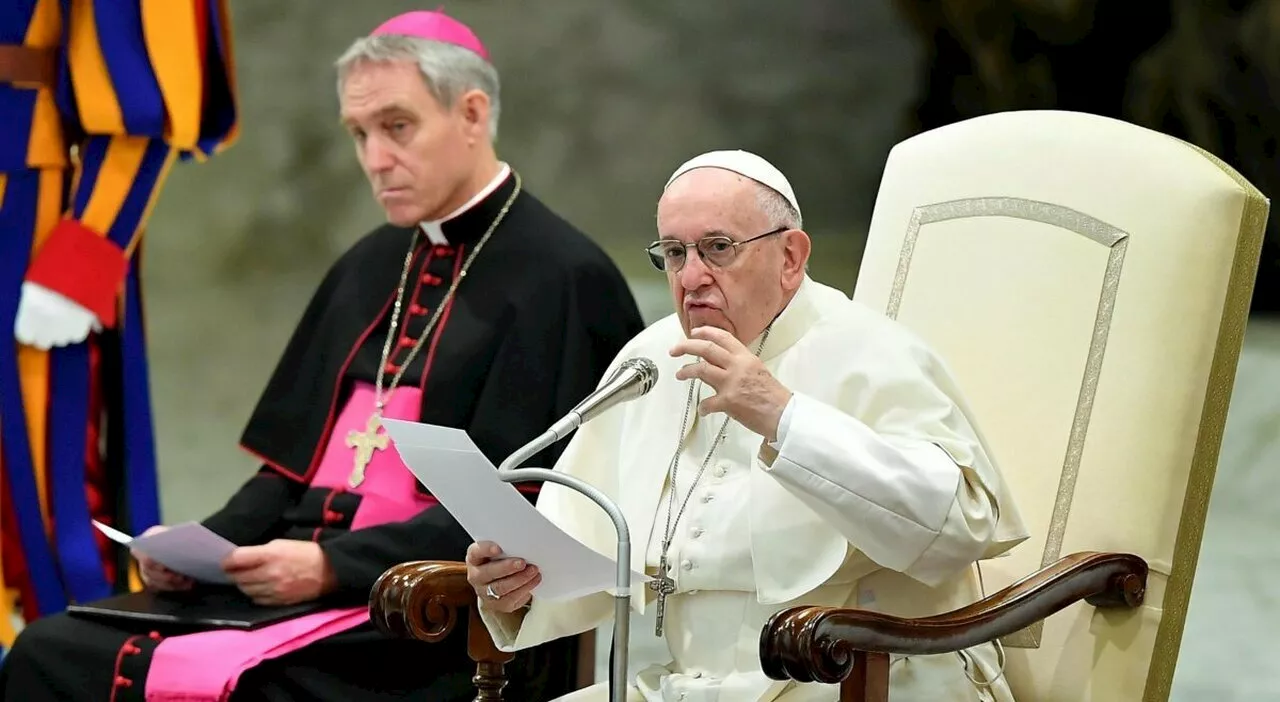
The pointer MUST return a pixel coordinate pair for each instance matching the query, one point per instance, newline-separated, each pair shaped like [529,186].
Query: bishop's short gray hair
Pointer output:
[448,70]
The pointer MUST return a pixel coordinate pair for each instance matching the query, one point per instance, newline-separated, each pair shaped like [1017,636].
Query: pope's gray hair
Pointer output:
[448,70]
[777,209]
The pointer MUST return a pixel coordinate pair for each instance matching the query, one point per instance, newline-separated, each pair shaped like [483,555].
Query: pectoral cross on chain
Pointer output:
[664,586]
[365,443]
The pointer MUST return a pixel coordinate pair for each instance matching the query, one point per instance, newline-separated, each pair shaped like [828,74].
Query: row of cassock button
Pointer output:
[720,471]
[415,310]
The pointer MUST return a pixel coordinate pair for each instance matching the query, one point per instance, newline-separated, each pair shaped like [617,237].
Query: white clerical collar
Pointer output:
[792,323]
[433,229]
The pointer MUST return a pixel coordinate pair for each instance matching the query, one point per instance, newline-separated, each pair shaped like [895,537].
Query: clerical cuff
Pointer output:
[504,628]
[784,422]
[801,405]
[769,449]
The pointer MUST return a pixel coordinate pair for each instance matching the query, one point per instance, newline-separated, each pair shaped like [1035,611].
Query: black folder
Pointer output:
[199,609]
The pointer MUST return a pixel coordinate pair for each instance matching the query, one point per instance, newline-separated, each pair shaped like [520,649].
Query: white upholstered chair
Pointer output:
[1088,282]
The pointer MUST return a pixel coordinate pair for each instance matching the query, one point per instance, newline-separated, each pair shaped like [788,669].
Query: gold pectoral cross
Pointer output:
[664,586]
[365,443]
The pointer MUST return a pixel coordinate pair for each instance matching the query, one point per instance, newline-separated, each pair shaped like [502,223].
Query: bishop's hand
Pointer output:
[155,576]
[281,572]
[502,584]
[745,389]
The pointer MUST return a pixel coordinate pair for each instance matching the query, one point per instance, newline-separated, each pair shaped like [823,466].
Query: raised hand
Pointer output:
[47,319]
[745,389]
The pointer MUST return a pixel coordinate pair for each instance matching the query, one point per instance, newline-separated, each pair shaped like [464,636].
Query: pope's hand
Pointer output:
[745,389]
[157,577]
[47,319]
[281,572]
[502,584]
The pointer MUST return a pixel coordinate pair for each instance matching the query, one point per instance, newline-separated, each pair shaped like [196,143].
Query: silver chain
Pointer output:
[379,403]
[673,470]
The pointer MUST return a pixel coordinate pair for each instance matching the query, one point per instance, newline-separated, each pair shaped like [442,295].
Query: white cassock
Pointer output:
[878,494]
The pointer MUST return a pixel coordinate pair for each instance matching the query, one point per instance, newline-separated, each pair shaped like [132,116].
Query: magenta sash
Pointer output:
[205,667]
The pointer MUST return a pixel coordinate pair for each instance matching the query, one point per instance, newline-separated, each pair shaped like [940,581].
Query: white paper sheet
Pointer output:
[114,534]
[190,549]
[447,462]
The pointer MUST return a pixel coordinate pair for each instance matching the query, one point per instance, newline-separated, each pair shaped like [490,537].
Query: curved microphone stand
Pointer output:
[622,591]
[633,378]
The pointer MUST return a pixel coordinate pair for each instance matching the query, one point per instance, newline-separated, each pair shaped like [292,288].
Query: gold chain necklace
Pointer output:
[370,440]
[664,585]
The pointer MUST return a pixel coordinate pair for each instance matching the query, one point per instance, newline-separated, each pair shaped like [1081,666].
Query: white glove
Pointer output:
[47,319]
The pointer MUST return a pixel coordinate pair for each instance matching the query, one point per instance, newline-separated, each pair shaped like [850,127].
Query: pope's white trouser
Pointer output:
[714,642]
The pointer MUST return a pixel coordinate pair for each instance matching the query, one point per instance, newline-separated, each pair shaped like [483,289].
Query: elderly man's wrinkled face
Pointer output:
[744,295]
[416,153]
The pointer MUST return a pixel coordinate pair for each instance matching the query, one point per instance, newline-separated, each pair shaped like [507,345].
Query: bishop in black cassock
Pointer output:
[538,317]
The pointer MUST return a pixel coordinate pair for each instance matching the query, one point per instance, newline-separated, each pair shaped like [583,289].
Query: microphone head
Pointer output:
[646,369]
[633,378]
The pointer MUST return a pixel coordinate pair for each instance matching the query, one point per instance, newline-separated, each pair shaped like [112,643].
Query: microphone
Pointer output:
[633,378]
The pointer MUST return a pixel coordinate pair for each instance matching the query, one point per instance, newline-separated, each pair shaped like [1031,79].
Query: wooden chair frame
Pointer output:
[425,600]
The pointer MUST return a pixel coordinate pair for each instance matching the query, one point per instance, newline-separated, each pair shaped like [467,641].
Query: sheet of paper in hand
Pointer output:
[190,549]
[466,483]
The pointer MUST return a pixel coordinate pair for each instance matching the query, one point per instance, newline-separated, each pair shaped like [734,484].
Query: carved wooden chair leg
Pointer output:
[491,677]
[869,681]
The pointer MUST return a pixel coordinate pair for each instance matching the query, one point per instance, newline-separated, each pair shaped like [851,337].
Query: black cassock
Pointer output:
[536,321]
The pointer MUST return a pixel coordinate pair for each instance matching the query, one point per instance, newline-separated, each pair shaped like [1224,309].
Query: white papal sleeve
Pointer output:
[903,502]
[546,621]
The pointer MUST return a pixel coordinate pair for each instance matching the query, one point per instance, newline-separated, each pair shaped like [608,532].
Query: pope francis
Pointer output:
[796,449]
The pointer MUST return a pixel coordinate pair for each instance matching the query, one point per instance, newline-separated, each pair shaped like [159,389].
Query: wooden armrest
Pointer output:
[828,645]
[421,600]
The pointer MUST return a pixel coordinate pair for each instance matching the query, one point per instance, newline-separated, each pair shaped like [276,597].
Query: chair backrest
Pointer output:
[1088,282]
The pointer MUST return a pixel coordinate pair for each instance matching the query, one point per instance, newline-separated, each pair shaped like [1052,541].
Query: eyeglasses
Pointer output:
[719,251]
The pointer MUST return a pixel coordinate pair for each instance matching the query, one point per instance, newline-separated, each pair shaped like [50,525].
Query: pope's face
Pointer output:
[743,296]
[416,153]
